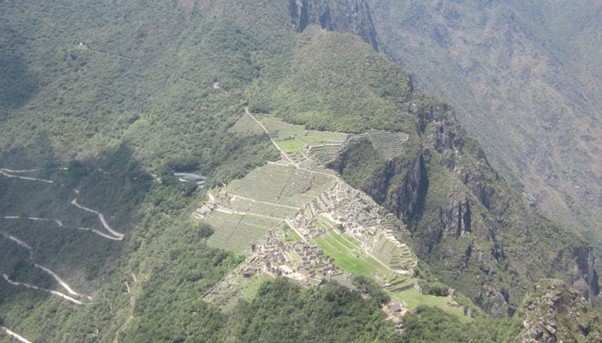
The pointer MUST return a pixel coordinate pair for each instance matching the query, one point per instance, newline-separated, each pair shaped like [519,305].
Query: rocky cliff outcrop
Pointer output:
[555,312]
[473,230]
[408,201]
[580,264]
[352,16]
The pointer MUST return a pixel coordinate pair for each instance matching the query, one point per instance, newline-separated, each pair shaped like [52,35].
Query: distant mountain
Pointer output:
[525,79]
[104,104]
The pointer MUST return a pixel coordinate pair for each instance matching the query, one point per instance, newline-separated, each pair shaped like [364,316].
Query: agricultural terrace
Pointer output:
[260,202]
[350,257]
[396,256]
[293,138]
[237,232]
[280,184]
[412,298]
[387,144]
[246,125]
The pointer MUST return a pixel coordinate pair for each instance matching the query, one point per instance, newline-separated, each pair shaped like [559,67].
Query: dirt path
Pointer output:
[135,291]
[20,171]
[234,197]
[59,280]
[100,233]
[229,211]
[14,335]
[60,224]
[284,155]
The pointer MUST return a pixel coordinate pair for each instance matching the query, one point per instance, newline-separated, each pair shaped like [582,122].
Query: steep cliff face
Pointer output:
[408,201]
[476,234]
[525,82]
[580,263]
[352,16]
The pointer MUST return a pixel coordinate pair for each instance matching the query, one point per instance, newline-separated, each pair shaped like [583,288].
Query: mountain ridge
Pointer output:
[142,91]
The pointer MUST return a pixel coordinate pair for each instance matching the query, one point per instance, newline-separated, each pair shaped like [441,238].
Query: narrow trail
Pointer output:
[14,335]
[286,157]
[57,278]
[282,152]
[234,197]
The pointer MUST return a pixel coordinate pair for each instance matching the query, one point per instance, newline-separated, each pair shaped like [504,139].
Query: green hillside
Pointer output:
[102,102]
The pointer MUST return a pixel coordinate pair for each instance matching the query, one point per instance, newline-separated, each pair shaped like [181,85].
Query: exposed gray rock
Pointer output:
[351,16]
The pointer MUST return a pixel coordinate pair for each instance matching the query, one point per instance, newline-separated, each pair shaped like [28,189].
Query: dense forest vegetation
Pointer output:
[107,100]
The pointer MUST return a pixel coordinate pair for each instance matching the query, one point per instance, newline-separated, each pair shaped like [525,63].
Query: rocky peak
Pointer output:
[352,16]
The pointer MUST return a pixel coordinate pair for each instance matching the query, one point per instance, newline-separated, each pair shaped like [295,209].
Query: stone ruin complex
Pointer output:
[353,212]
[305,263]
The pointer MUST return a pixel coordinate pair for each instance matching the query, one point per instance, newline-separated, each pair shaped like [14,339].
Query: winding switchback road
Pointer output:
[6,172]
[100,216]
[57,293]
[114,235]
[15,335]
[57,278]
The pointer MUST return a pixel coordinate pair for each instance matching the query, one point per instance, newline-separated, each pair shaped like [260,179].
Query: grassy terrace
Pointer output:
[262,200]
[290,235]
[293,138]
[280,184]
[246,125]
[237,232]
[412,298]
[388,144]
[351,258]
[349,255]
[260,208]
[392,255]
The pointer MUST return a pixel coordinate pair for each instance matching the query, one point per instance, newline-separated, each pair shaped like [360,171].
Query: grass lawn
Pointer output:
[290,235]
[324,223]
[290,145]
[292,138]
[412,298]
[349,255]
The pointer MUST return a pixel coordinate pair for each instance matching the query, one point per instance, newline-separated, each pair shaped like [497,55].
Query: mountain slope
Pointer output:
[119,97]
[525,82]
